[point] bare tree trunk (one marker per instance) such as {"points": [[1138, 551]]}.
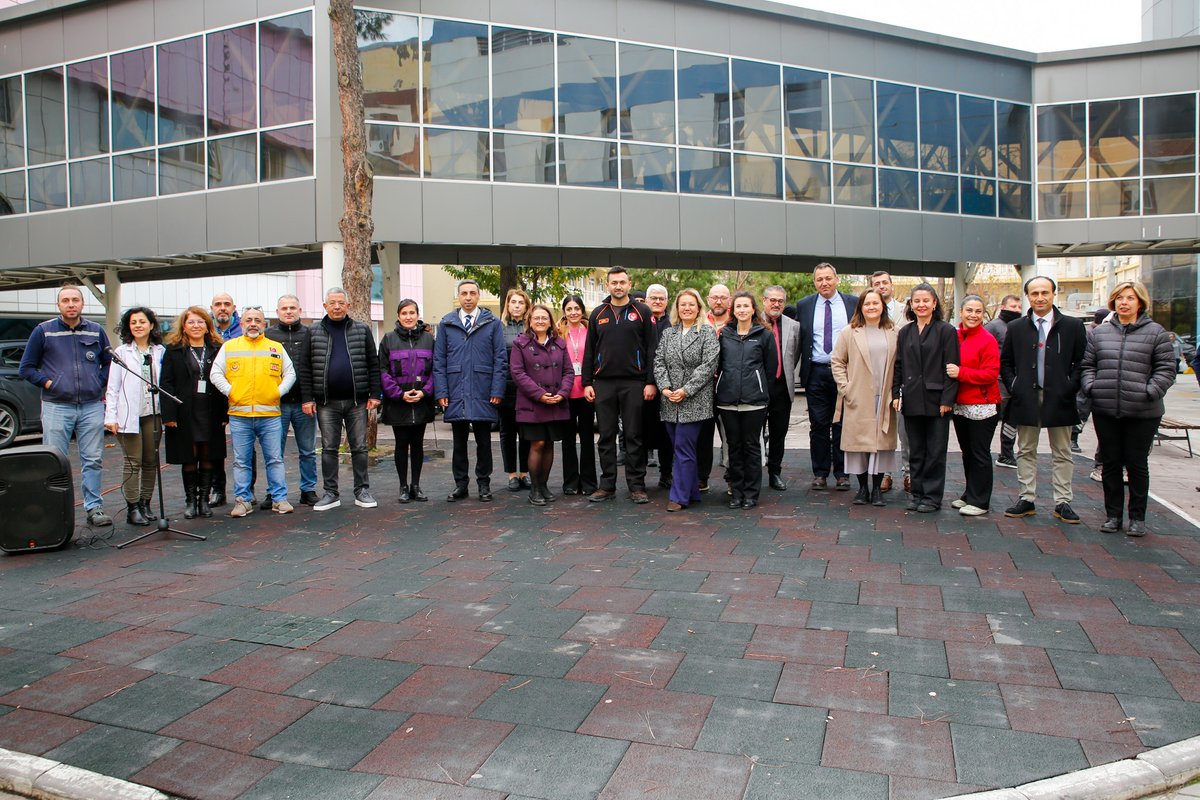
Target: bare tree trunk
{"points": [[508, 280]]}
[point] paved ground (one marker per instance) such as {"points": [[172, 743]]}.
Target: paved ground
{"points": [[474, 651]]}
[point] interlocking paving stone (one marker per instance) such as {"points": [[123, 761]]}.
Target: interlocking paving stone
{"points": [[671, 774], [126, 646], [1000, 664], [1160, 721], [23, 667], [453, 691], [794, 567], [223, 775], [299, 782], [239, 720], [334, 737], [527, 620], [271, 669], [727, 639], [766, 733], [830, 591], [900, 653], [152, 703], [843, 617], [1062, 712], [118, 752], [528, 655], [611, 664], [792, 781], [652, 716], [544, 702], [264, 627], [937, 575], [413, 789], [74, 687], [27, 731], [843, 688], [196, 657], [436, 748], [689, 605], [994, 757], [726, 677], [985, 601], [60, 633], [952, 700], [630, 630], [1101, 673], [550, 764], [1140, 612], [613, 600], [1056, 633], [899, 746], [666, 580], [533, 594], [384, 608], [351, 681]]}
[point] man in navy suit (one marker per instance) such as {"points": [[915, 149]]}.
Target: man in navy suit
{"points": [[822, 317]]}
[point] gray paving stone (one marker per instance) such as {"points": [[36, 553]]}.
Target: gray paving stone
{"points": [[45, 598], [330, 736], [937, 575], [897, 553], [252, 595], [1159, 721], [533, 594], [993, 542], [844, 617], [726, 677], [550, 764], [985, 601], [528, 572], [767, 733], [529, 655], [1148, 612], [353, 681], [533, 620], [280, 572], [667, 579], [1058, 633], [14, 622], [794, 781], [791, 566], [153, 703], [1102, 587], [880, 653], [263, 627], [727, 639], [400, 584], [23, 667], [1060, 566], [196, 657], [383, 608], [927, 698], [60, 633], [542, 702], [118, 752], [831, 591], [689, 605], [1102, 673], [650, 557], [300, 782], [986, 756]]}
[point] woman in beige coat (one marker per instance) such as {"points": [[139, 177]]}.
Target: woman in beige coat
{"points": [[863, 360]]}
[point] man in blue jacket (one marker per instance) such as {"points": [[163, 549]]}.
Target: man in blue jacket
{"points": [[229, 325], [470, 367], [67, 357]]}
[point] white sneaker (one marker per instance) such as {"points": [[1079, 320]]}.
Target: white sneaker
{"points": [[1097, 475], [282, 507], [972, 511], [241, 508], [959, 503]]}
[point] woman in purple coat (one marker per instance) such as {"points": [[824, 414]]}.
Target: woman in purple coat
{"points": [[406, 369], [542, 371]]}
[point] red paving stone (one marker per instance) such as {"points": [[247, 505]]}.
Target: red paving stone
{"points": [[1062, 712], [714, 563], [239, 720], [982, 561], [463, 591], [126, 646], [904, 788], [840, 569], [334, 577], [1020, 581], [316, 602], [34, 732], [464, 569], [890, 745], [455, 614], [773, 643], [596, 575], [663, 773], [781, 611], [162, 612], [607, 598], [1001, 663], [653, 716], [741, 584], [950, 626], [436, 748], [75, 687], [205, 773], [194, 587], [412, 789], [367, 638], [833, 687], [629, 630], [449, 691], [1167, 590], [447, 647], [838, 552], [1107, 752], [1184, 677], [271, 669], [630, 666], [900, 595], [1122, 639]]}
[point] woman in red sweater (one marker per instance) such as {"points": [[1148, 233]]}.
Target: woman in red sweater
{"points": [[975, 410]]}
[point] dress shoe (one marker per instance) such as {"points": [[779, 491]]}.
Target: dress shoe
{"points": [[843, 484], [1137, 527], [459, 493], [1111, 525], [639, 497], [673, 506], [927, 508], [886, 486], [1021, 508], [1064, 512], [819, 482], [535, 498], [748, 503], [485, 493], [526, 483], [777, 483], [514, 484], [911, 505], [547, 495], [600, 495], [405, 495], [417, 495], [735, 502]]}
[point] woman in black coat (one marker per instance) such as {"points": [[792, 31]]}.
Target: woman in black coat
{"points": [[925, 395], [195, 427]]}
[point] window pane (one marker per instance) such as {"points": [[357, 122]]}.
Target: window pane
{"points": [[703, 100], [939, 193], [133, 99], [939, 132], [232, 160], [648, 168], [587, 86], [647, 94], [523, 159], [853, 123], [455, 61], [757, 106], [12, 193], [1114, 128], [285, 57], [977, 129], [180, 90], [286, 153], [523, 80], [231, 82], [588, 163], [87, 108], [757, 176], [900, 189], [389, 51], [456, 154], [12, 126], [1169, 131], [1012, 141], [1169, 196], [806, 181], [897, 106], [807, 96], [181, 169], [44, 118], [979, 197], [1015, 201], [1116, 198], [704, 172], [394, 151], [89, 182], [48, 188], [133, 175], [853, 186], [1062, 201], [1060, 142]]}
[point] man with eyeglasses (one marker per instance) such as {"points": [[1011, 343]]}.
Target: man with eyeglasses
{"points": [[294, 337], [779, 409], [720, 302]]}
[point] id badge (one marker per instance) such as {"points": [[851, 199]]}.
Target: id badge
{"points": [[201, 386], [578, 368]]}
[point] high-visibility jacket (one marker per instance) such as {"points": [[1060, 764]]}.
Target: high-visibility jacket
{"points": [[253, 374]]}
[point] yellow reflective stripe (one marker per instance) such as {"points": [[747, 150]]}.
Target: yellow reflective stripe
{"points": [[255, 409]]}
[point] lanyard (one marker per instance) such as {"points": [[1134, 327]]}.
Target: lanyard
{"points": [[576, 356], [201, 362]]}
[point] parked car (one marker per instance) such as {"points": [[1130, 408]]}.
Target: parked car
{"points": [[20, 401]]}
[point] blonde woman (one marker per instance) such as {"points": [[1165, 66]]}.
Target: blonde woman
{"points": [[514, 315]]}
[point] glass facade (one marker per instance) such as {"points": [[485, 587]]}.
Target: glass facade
{"points": [[225, 108]]}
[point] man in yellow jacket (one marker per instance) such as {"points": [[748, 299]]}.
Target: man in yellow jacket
{"points": [[254, 372]]}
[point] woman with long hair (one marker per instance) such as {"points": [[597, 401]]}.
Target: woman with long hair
{"points": [[131, 411], [976, 407], [542, 372], [514, 315], [406, 370], [579, 442]]}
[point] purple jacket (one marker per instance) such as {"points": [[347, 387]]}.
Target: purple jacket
{"points": [[406, 362], [539, 369]]}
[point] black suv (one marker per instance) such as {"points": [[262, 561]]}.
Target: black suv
{"points": [[20, 400]]}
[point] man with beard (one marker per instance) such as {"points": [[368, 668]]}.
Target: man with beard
{"points": [[229, 325], [720, 303], [1010, 309], [294, 337], [656, 437]]}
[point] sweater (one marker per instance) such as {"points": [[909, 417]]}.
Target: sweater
{"points": [[621, 341]]}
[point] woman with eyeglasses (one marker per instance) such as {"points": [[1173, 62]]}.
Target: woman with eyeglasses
{"points": [[542, 372]]}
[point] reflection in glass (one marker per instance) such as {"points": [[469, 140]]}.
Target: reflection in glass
{"points": [[703, 100], [585, 163], [979, 197], [976, 130], [757, 176], [134, 175], [180, 90], [455, 63], [1012, 142], [900, 188], [1015, 201], [87, 109], [89, 182], [647, 94], [181, 169], [133, 99], [1062, 201], [286, 153], [853, 117], [44, 120], [285, 59], [1060, 143], [523, 159], [394, 151], [806, 94], [231, 82], [1169, 196], [704, 172], [648, 168], [939, 193], [12, 193], [757, 106], [523, 80], [587, 86], [389, 50], [939, 132], [1114, 126], [806, 181], [48, 187], [1168, 135], [12, 127], [232, 161], [1115, 198], [853, 186], [897, 108], [461, 155]]}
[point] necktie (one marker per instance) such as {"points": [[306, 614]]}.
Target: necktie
{"points": [[778, 350], [1041, 358], [467, 322], [828, 337]]}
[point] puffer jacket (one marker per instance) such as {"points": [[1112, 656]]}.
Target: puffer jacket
{"points": [[746, 367], [1127, 369], [364, 360], [295, 339], [405, 363], [687, 362]]}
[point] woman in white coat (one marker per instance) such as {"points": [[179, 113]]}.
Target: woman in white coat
{"points": [[129, 410]]}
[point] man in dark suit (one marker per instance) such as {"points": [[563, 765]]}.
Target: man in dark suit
{"points": [[783, 388], [822, 317]]}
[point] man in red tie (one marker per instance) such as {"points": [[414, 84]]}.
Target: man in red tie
{"points": [[779, 410]]}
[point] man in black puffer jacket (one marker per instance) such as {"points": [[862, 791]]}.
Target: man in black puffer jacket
{"points": [[344, 385], [295, 338]]}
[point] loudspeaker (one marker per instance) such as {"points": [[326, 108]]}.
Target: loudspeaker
{"points": [[37, 499]]}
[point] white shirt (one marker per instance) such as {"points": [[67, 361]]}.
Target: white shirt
{"points": [[840, 321], [462, 317], [1049, 317]]}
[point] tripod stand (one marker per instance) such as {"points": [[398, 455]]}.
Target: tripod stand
{"points": [[164, 524]]}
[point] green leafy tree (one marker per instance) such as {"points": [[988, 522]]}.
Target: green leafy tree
{"points": [[796, 284], [542, 283]]}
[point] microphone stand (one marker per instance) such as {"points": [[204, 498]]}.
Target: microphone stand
{"points": [[164, 524]]}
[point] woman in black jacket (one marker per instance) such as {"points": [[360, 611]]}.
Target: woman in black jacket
{"points": [[746, 368], [1128, 367], [514, 453], [925, 394]]}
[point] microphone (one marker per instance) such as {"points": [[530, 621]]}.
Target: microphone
{"points": [[112, 353]]}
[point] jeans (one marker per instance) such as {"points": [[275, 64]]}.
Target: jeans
{"points": [[86, 422], [243, 431], [331, 417], [305, 429]]}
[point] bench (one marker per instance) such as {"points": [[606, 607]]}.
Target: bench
{"points": [[1175, 430]]}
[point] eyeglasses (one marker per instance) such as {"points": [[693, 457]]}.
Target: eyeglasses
{"points": [[251, 308]]}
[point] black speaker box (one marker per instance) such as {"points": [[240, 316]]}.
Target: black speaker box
{"points": [[37, 499]]}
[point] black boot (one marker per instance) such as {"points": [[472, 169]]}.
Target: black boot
{"points": [[189, 493], [133, 514], [864, 495], [147, 512], [203, 484], [405, 493], [414, 491], [876, 490], [535, 495], [547, 495], [218, 495]]}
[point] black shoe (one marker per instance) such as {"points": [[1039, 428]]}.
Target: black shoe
{"points": [[1021, 508], [308, 498], [1064, 512], [570, 488], [266, 503], [747, 503], [133, 514], [218, 497], [485, 493], [458, 494], [535, 497], [876, 498], [514, 484], [147, 513], [203, 507], [777, 483], [703, 487], [547, 495], [927, 508], [735, 502], [1075, 448], [664, 483], [191, 490], [1137, 527], [1008, 462], [1111, 525], [526, 483], [911, 505], [405, 495], [863, 497], [416, 494]]}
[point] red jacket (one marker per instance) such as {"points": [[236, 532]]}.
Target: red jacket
{"points": [[979, 367]]}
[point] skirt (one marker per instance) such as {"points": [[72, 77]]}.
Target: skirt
{"points": [[543, 431]]}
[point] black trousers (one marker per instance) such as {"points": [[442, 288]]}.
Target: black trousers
{"points": [[1125, 445], [928, 438], [975, 440], [655, 437], [514, 450], [743, 436], [579, 448], [1008, 433], [410, 452], [704, 449], [779, 414], [621, 399], [824, 435], [463, 431]]}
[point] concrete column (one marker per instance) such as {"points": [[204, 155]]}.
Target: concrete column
{"points": [[1027, 271], [333, 258], [389, 265], [960, 291], [112, 299]]}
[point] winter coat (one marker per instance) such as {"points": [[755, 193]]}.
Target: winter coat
{"points": [[688, 362], [469, 367], [364, 361], [978, 367], [179, 375], [746, 368], [405, 363], [863, 429], [998, 328], [297, 341], [1065, 345], [75, 360], [511, 331], [123, 400], [920, 379], [539, 369], [1127, 369]]}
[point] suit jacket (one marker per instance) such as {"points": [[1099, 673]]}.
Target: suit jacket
{"points": [[1065, 346], [789, 340], [804, 316], [920, 374]]}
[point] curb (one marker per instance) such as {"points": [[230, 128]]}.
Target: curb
{"points": [[1147, 773], [44, 779]]}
